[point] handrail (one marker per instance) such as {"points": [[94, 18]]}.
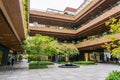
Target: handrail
{"points": [[48, 26], [75, 28], [118, 3], [53, 11]]}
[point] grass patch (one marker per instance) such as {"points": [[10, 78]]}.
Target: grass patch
{"points": [[84, 62]]}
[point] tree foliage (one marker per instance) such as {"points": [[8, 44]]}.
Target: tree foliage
{"points": [[114, 45], [114, 25], [67, 50], [39, 46]]}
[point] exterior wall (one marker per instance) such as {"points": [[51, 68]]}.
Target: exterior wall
{"points": [[4, 52], [93, 55]]}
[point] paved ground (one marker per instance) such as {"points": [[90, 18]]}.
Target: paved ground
{"points": [[21, 72]]}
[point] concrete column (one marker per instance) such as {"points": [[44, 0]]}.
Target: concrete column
{"points": [[86, 56], [98, 57]]}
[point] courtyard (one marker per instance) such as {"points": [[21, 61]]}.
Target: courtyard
{"points": [[83, 33], [20, 71]]}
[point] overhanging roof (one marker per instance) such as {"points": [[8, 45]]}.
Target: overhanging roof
{"points": [[13, 31]]}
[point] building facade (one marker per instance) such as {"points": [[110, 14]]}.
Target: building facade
{"points": [[86, 28]]}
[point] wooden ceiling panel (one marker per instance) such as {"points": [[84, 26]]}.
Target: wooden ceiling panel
{"points": [[7, 37]]}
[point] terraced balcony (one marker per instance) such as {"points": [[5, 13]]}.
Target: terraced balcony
{"points": [[95, 26], [93, 10], [95, 43]]}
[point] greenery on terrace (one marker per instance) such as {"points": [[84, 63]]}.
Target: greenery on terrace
{"points": [[91, 38], [26, 13], [110, 34]]}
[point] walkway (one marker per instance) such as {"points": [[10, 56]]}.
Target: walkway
{"points": [[20, 72]]}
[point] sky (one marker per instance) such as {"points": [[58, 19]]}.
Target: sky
{"points": [[54, 4]]}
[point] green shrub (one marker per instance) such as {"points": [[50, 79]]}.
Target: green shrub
{"points": [[39, 64], [84, 62], [46, 63], [35, 65], [42, 62], [114, 75]]}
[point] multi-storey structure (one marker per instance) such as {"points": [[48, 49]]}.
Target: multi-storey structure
{"points": [[86, 27], [87, 22]]}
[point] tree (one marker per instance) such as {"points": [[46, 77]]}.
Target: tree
{"points": [[114, 45], [67, 50], [40, 46]]}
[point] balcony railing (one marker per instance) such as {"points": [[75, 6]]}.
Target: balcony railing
{"points": [[92, 38], [98, 42], [75, 28], [87, 2], [35, 24], [96, 16], [53, 11]]}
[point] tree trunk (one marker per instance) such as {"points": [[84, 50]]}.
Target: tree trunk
{"points": [[67, 58]]}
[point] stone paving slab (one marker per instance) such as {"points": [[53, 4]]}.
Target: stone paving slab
{"points": [[20, 71]]}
